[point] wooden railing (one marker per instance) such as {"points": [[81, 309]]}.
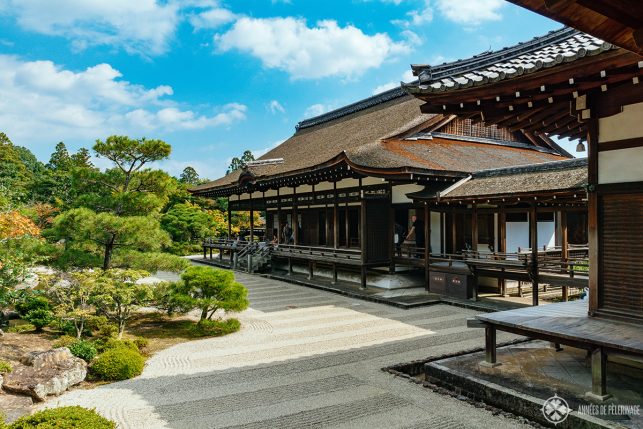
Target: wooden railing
{"points": [[312, 252]]}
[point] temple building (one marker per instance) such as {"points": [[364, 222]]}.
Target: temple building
{"points": [[343, 194]]}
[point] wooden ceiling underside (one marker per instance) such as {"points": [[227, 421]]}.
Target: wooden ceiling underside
{"points": [[616, 21], [539, 103]]}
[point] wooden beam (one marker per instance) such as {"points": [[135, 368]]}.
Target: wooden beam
{"points": [[295, 220], [564, 239], [474, 227], [427, 242]]}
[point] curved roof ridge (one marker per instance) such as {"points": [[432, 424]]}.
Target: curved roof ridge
{"points": [[357, 106]]}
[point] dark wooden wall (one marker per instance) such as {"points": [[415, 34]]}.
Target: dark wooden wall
{"points": [[378, 242]]}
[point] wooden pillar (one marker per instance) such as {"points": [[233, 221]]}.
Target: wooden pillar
{"points": [[454, 245], [474, 227], [205, 252], [564, 253], [490, 346], [335, 217], [229, 220], [533, 241], [363, 241], [599, 374], [502, 243], [210, 252], [310, 270], [427, 242], [592, 213], [252, 221], [391, 231], [443, 244], [279, 228], [334, 281], [295, 219], [348, 244]]}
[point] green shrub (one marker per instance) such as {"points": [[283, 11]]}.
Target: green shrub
{"points": [[19, 329], [64, 341], [141, 343], [118, 363], [115, 343], [83, 349], [215, 328], [40, 317], [101, 327], [63, 418], [31, 302], [5, 367], [65, 327]]}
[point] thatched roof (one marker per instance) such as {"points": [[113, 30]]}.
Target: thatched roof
{"points": [[374, 134], [551, 177]]}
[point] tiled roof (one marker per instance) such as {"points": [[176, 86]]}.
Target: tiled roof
{"points": [[568, 175], [557, 47]]}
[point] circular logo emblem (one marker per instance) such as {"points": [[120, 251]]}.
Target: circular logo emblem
{"points": [[555, 410]]}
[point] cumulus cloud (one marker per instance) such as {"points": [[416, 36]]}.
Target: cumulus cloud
{"points": [[417, 17], [309, 52], [212, 18], [470, 12], [275, 107], [316, 110], [142, 26], [40, 99], [407, 76]]}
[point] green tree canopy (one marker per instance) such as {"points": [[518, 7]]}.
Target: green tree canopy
{"points": [[210, 289], [82, 227], [187, 222], [189, 176], [238, 163]]}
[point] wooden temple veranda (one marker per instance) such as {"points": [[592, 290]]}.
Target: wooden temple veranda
{"points": [[569, 84]]}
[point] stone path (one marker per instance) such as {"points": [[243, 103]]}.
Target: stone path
{"points": [[304, 358]]}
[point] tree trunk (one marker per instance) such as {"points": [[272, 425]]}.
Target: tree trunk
{"points": [[121, 329], [204, 314], [109, 248]]}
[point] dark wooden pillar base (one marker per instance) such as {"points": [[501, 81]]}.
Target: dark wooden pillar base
{"points": [[289, 267], [363, 278], [490, 347], [334, 281], [310, 270], [205, 252], [210, 252], [599, 376]]}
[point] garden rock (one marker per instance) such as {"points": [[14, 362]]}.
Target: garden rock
{"points": [[15, 406], [46, 373]]}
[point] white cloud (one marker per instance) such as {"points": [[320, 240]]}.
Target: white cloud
{"points": [[212, 18], [275, 107], [41, 101], [142, 26], [417, 17], [407, 76], [316, 110], [470, 12], [309, 52]]}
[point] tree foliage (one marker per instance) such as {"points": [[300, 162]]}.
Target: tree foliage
{"points": [[106, 232], [189, 176], [238, 163], [118, 294], [209, 289]]}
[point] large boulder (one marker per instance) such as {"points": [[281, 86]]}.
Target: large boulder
{"points": [[45, 373]]}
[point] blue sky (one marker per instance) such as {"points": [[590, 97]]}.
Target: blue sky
{"points": [[214, 78]]}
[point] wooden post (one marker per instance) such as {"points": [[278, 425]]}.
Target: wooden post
{"points": [[474, 227], [348, 244], [295, 219], [334, 274], [310, 270], [252, 221], [502, 243], [490, 359], [454, 245], [564, 248], [363, 233], [533, 241], [599, 375], [210, 252], [592, 213], [391, 231], [335, 218], [229, 220], [443, 244], [427, 242], [278, 218], [205, 252]]}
